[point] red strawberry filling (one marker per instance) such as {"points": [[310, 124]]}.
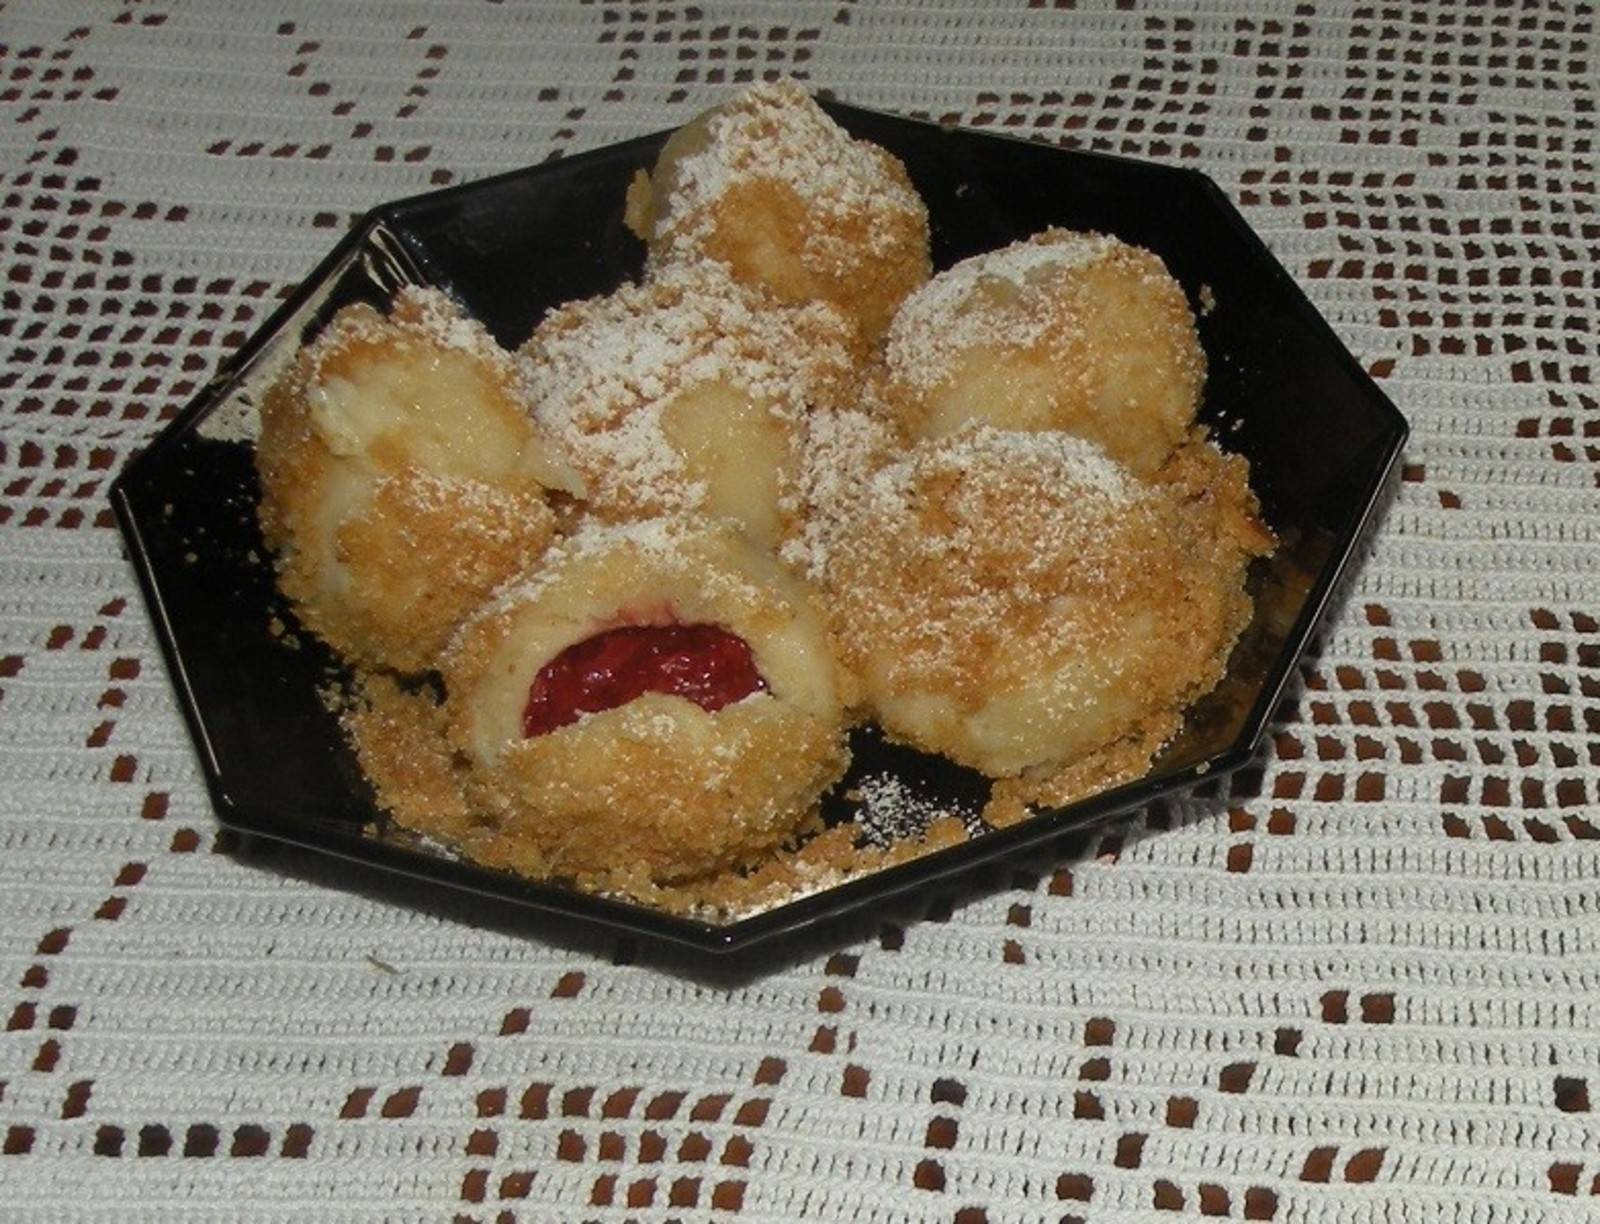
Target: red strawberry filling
{"points": [[703, 663]]}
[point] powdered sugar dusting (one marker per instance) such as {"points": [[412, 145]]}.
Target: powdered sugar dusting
{"points": [[776, 132], [419, 312], [1051, 459], [890, 811], [842, 451], [425, 311], [980, 301], [668, 543], [660, 538], [965, 542], [600, 373], [432, 312], [971, 465], [493, 510]]}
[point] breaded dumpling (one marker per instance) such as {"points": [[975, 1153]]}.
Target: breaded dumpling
{"points": [[1020, 601], [1069, 331], [768, 185], [657, 703], [401, 479], [689, 393]]}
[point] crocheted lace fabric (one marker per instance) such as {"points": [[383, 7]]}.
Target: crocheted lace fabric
{"points": [[1359, 982]]}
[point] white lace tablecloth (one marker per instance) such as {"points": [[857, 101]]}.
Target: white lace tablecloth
{"points": [[1361, 984]]}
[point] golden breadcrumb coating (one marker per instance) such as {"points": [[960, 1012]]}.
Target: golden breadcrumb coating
{"points": [[1014, 799], [1021, 601], [1069, 331], [1212, 490], [401, 742], [769, 186], [401, 479], [400, 738], [689, 393], [1215, 487], [657, 789]]}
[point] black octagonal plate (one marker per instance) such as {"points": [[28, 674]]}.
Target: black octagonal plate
{"points": [[1282, 390]]}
